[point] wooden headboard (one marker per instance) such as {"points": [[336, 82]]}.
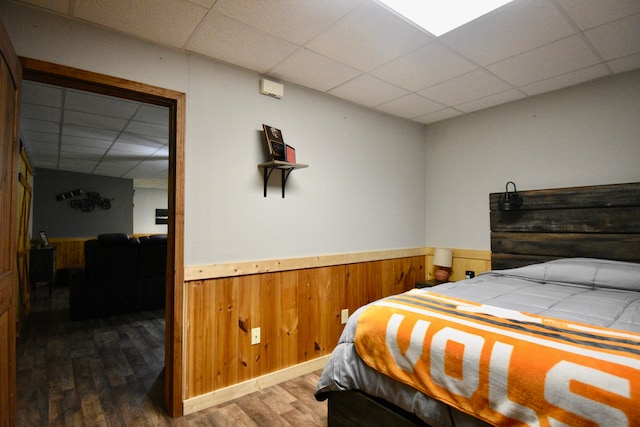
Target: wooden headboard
{"points": [[600, 221]]}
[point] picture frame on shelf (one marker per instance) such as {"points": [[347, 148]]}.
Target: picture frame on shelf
{"points": [[290, 153], [43, 239], [275, 143]]}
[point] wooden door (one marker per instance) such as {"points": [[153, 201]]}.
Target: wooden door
{"points": [[23, 297], [10, 79]]}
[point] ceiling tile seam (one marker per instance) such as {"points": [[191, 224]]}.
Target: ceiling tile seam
{"points": [[363, 71], [476, 64], [197, 28], [104, 155], [580, 34], [333, 24], [63, 101]]}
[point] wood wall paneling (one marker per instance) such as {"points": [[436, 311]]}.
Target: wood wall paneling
{"points": [[69, 252], [600, 221], [298, 312]]}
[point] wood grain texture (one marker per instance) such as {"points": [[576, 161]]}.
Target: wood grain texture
{"points": [[214, 271], [69, 251], [298, 312], [593, 221]]}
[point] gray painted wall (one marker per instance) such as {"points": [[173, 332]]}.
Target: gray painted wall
{"points": [[59, 219]]}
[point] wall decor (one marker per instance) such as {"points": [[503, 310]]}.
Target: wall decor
{"points": [[90, 202], [69, 194], [275, 142], [162, 216]]}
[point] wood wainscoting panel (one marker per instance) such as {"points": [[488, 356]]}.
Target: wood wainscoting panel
{"points": [[298, 312], [475, 260], [69, 251]]}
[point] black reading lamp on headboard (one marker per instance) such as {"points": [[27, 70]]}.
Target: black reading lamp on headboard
{"points": [[510, 201]]}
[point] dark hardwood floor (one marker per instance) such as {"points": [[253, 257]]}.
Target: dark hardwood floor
{"points": [[109, 371]]}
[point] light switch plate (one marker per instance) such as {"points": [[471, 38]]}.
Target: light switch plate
{"points": [[255, 336], [344, 316]]}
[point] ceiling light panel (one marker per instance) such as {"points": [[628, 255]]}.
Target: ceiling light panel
{"points": [[441, 16]]}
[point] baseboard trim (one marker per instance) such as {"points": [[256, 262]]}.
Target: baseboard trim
{"points": [[226, 394]]}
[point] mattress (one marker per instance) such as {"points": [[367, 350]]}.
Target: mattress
{"points": [[596, 292]]}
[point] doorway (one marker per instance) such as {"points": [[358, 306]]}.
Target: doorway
{"points": [[45, 72]]}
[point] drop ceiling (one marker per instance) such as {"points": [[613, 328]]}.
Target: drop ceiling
{"points": [[360, 51], [71, 130]]}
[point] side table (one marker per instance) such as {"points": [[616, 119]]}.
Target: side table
{"points": [[42, 266]]}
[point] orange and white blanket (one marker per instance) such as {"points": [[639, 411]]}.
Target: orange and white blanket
{"points": [[504, 366]]}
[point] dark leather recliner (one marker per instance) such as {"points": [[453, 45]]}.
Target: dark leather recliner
{"points": [[121, 275], [152, 272]]}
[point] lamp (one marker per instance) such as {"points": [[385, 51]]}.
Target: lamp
{"points": [[442, 259], [510, 201]]}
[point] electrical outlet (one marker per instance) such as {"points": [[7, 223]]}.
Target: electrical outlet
{"points": [[344, 316], [255, 336]]}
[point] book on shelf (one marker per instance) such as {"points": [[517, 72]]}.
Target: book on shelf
{"points": [[290, 153], [275, 143]]}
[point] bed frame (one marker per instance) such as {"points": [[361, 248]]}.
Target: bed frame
{"points": [[600, 221]]}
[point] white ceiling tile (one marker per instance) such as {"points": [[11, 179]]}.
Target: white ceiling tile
{"points": [[410, 106], [429, 65], [84, 150], [46, 149], [368, 37], [168, 22], [321, 72], [115, 166], [42, 126], [617, 40], [591, 13], [45, 163], [565, 80], [490, 101], [515, 28], [99, 104], [148, 129], [42, 94], [152, 114], [293, 20], [152, 141], [93, 120], [77, 165], [554, 59], [203, 3], [60, 6], [368, 90], [625, 64], [74, 155], [237, 43], [444, 114], [36, 138], [39, 112], [101, 144], [150, 168], [89, 132], [469, 87], [127, 149]]}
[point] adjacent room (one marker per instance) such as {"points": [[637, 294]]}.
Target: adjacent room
{"points": [[210, 189]]}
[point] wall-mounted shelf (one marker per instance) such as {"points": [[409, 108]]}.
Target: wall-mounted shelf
{"points": [[285, 169]]}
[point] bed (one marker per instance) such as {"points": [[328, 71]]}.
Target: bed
{"points": [[566, 277]]}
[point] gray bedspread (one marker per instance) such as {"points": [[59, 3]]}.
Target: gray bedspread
{"points": [[598, 292]]}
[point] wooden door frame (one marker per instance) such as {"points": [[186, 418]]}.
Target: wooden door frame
{"points": [[46, 72]]}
